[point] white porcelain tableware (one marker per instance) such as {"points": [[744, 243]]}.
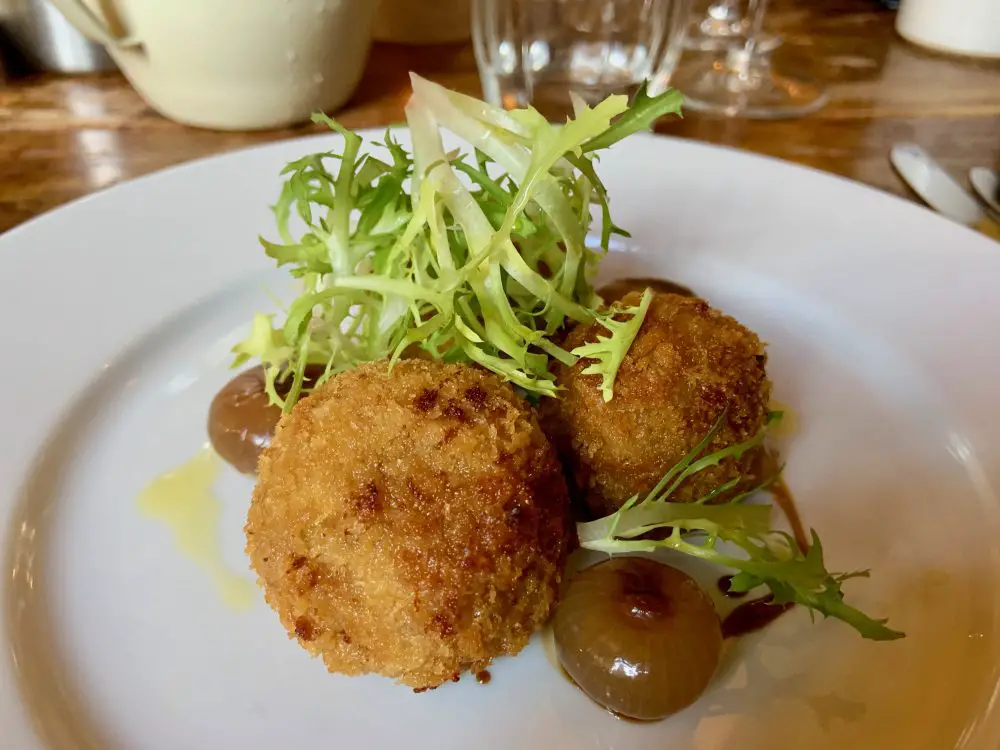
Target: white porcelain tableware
{"points": [[963, 27], [231, 64], [119, 311], [986, 183]]}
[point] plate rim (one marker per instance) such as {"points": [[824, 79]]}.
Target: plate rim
{"points": [[12, 237]]}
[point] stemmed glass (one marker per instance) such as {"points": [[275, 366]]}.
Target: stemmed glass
{"points": [[741, 81], [717, 27]]}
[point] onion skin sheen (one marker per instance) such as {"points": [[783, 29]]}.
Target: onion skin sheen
{"points": [[638, 637]]}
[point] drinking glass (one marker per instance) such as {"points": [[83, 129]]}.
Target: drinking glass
{"points": [[741, 81], [537, 51]]}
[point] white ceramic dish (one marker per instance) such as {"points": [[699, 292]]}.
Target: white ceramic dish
{"points": [[881, 319]]}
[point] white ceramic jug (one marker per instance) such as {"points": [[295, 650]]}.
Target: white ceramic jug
{"points": [[962, 27], [233, 64]]}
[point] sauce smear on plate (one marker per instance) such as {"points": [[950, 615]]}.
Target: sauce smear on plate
{"points": [[724, 583], [784, 500], [752, 616], [242, 419], [755, 614], [182, 499]]}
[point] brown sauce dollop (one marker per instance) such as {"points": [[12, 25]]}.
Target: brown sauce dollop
{"points": [[752, 616], [241, 419], [724, 586]]}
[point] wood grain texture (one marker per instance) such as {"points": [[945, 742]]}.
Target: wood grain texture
{"points": [[61, 138]]}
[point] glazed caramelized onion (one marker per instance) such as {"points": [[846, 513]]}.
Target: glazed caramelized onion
{"points": [[639, 637]]}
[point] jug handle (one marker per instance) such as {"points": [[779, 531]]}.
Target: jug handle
{"points": [[91, 25]]}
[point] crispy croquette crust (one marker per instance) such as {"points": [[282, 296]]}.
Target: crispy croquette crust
{"points": [[688, 364], [412, 522]]}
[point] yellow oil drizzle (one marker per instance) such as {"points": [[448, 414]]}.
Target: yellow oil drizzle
{"points": [[182, 499], [989, 227], [789, 423]]}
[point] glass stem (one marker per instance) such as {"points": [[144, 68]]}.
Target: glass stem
{"points": [[741, 60], [756, 10]]}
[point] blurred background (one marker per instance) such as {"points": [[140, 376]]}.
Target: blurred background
{"points": [[96, 91]]}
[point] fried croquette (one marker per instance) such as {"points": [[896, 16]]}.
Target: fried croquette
{"points": [[411, 522], [688, 365], [615, 291]]}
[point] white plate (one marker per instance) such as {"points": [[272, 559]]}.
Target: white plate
{"points": [[883, 327]]}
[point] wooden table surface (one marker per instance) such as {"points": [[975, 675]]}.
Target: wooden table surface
{"points": [[63, 137]]}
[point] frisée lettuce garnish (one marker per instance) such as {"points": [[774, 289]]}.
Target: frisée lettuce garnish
{"points": [[478, 255], [481, 256], [733, 534]]}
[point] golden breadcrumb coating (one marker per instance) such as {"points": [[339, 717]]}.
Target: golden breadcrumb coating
{"points": [[688, 364], [412, 522]]}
